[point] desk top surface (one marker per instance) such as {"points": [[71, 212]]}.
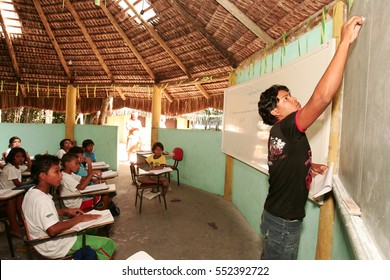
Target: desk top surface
{"points": [[111, 189], [7, 194], [155, 171]]}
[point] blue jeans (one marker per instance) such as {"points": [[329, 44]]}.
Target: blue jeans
{"points": [[281, 237]]}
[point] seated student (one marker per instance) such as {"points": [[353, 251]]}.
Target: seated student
{"points": [[89, 146], [14, 141], [72, 183], [42, 218], [65, 145], [156, 161], [11, 177], [79, 151]]}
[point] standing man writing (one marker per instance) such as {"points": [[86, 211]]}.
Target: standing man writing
{"points": [[289, 153], [133, 126]]}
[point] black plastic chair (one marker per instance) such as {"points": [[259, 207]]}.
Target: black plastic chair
{"points": [[141, 187]]}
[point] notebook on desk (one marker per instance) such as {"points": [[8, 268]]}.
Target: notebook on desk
{"points": [[96, 187], [107, 174]]}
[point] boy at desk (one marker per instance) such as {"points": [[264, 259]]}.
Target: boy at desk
{"points": [[42, 218], [72, 183], [89, 146], [155, 161], [79, 151]]}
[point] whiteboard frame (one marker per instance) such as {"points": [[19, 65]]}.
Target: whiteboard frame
{"points": [[249, 110]]}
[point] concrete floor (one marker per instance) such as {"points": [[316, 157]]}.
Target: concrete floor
{"points": [[199, 226]]}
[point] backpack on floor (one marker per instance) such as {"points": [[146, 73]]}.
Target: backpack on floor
{"points": [[114, 209]]}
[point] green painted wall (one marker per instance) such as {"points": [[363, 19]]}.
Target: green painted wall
{"points": [[36, 138], [203, 164], [106, 141], [39, 138]]}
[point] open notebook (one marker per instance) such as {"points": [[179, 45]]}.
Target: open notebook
{"points": [[106, 218], [107, 174], [321, 185], [96, 187]]}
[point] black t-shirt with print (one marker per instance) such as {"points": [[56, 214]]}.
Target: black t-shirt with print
{"points": [[289, 160]]}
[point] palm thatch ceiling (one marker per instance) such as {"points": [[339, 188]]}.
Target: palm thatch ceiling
{"points": [[187, 49]]}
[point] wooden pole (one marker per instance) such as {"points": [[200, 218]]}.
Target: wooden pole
{"points": [[327, 211], [104, 110], [229, 160], [70, 114], [156, 114]]}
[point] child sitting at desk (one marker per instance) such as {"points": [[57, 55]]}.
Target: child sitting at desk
{"points": [[71, 183], [11, 177], [89, 146], [65, 145], [79, 151], [42, 218], [155, 161], [14, 142]]}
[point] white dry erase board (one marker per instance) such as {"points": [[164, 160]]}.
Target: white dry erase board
{"points": [[245, 137]]}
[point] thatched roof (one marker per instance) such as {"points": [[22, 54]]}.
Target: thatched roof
{"points": [[188, 49]]}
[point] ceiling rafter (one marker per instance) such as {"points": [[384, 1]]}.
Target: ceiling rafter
{"points": [[201, 80], [167, 95], [157, 37], [202, 90], [88, 37], [252, 26], [50, 33], [120, 92], [128, 42], [226, 54], [12, 54]]}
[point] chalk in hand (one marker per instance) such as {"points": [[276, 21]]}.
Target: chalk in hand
{"points": [[363, 19]]}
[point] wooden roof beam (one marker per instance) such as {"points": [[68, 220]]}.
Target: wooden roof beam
{"points": [[228, 56], [252, 26], [203, 80], [202, 90], [121, 94], [12, 54], [168, 96], [159, 40], [128, 42], [84, 30], [50, 33]]}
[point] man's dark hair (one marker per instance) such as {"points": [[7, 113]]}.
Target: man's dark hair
{"points": [[68, 157], [87, 142], [157, 144], [42, 163], [13, 152], [268, 101], [76, 150]]}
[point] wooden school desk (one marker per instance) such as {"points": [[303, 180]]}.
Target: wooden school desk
{"points": [[111, 189]]}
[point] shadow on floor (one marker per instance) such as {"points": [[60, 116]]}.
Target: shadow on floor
{"points": [[197, 225]]}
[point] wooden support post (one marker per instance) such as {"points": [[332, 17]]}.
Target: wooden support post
{"points": [[327, 212], [229, 160], [228, 178], [70, 114], [156, 114], [104, 110]]}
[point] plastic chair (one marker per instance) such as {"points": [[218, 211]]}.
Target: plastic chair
{"points": [[177, 157], [141, 187]]}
